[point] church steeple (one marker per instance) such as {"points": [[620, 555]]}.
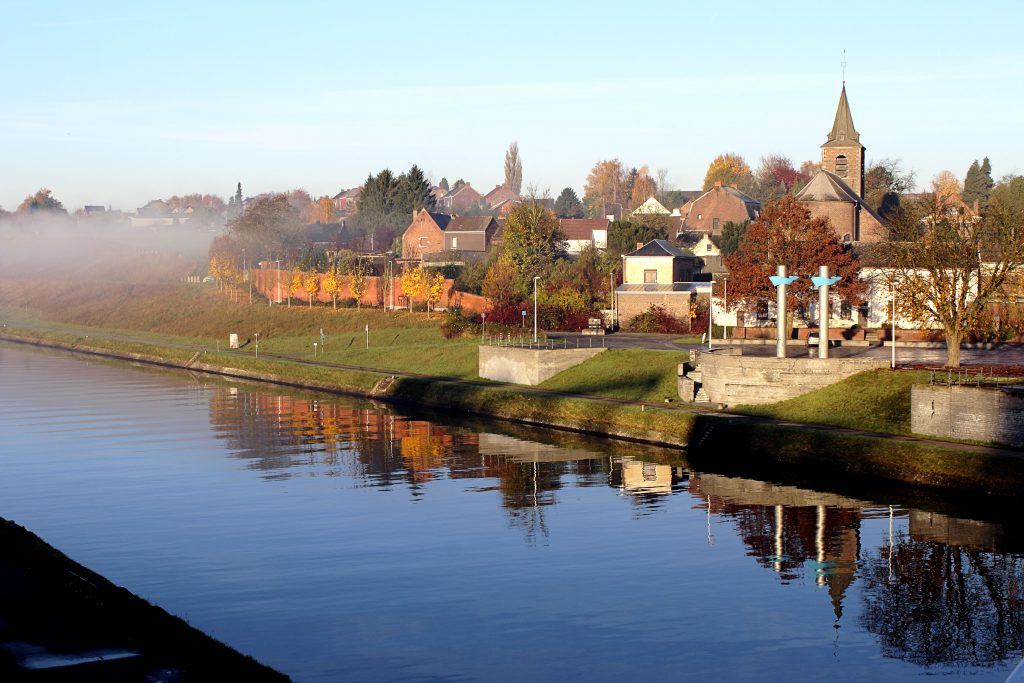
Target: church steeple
{"points": [[842, 154], [843, 133]]}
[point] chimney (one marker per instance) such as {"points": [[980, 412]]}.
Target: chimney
{"points": [[718, 183], [639, 244]]}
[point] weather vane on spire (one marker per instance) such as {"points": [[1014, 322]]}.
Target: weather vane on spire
{"points": [[844, 68]]}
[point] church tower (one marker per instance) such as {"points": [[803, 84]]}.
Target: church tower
{"points": [[842, 154]]}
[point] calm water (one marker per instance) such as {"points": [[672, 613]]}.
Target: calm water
{"points": [[335, 539]]}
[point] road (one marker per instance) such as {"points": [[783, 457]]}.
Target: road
{"points": [[1000, 355]]}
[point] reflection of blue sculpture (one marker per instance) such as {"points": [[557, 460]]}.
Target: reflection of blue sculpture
{"points": [[779, 280], [825, 281]]}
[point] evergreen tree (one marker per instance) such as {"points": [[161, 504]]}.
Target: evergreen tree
{"points": [[568, 204], [443, 184], [978, 183], [986, 174], [413, 192]]}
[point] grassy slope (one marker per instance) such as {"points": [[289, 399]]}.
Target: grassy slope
{"points": [[634, 374], [875, 400]]}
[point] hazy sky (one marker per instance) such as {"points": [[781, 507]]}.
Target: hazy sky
{"points": [[117, 103]]}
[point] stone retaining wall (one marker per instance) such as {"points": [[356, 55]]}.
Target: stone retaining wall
{"points": [[985, 414], [528, 366], [733, 379]]}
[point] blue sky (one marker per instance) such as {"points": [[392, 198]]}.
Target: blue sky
{"points": [[117, 103]]}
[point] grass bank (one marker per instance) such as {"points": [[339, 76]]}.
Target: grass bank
{"points": [[52, 602]]}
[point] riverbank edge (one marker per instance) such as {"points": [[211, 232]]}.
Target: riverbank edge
{"points": [[58, 604], [709, 434]]}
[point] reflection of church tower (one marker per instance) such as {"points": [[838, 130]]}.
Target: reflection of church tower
{"points": [[842, 154]]}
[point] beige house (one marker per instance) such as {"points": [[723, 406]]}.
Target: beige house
{"points": [[658, 273]]}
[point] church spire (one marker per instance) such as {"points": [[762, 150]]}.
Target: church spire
{"points": [[843, 133]]}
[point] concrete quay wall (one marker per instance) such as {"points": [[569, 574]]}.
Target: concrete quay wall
{"points": [[528, 366], [987, 414], [732, 379]]}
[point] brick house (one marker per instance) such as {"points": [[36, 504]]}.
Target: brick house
{"points": [[500, 194], [716, 207], [346, 200], [425, 235], [581, 232], [432, 234], [658, 273], [836, 191], [651, 206], [460, 200]]}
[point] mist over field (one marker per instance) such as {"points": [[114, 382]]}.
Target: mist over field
{"points": [[54, 247]]}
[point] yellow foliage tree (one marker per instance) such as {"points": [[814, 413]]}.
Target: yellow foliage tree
{"points": [[728, 169], [330, 286], [435, 290], [357, 283], [295, 286], [945, 184], [643, 188], [414, 283], [311, 283]]}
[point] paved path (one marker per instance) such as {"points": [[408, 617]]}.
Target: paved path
{"points": [[718, 417]]}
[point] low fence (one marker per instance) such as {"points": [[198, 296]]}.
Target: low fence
{"points": [[519, 341]]}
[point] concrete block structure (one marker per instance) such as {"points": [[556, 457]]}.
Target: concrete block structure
{"points": [[730, 378], [988, 414], [528, 366]]}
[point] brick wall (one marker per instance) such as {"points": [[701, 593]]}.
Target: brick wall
{"points": [[975, 413], [854, 165], [632, 304], [842, 215]]}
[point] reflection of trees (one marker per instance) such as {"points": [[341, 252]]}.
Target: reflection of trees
{"points": [[931, 603]]}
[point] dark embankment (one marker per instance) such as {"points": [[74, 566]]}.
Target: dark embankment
{"points": [[55, 611]]}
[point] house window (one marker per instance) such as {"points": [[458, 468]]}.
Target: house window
{"points": [[423, 241], [455, 243], [845, 311], [699, 216], [841, 165], [650, 277], [710, 247], [714, 224], [762, 310], [846, 237]]}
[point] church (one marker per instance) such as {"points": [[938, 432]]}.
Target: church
{"points": [[836, 191]]}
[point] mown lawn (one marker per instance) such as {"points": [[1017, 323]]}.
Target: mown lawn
{"points": [[874, 400], [632, 374]]}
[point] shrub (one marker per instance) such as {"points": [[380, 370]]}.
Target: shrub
{"points": [[454, 324], [658, 320]]}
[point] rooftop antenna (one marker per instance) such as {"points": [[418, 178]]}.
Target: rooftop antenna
{"points": [[844, 68]]}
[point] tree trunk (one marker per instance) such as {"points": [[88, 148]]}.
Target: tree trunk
{"points": [[334, 300], [953, 339], [311, 301]]}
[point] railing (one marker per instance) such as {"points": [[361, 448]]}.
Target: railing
{"points": [[975, 377], [525, 342]]}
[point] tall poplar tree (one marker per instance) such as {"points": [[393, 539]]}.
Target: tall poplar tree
{"points": [[513, 169]]}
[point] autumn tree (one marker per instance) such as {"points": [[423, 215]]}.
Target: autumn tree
{"points": [[606, 183], [776, 177], [357, 282], [945, 184], [728, 169], [786, 234], [532, 239], [41, 202], [502, 284], [568, 205], [311, 283], [331, 286], [513, 169], [434, 290], [643, 188], [414, 283], [949, 264], [295, 285], [268, 227]]}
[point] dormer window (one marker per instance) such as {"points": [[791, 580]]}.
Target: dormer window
{"points": [[841, 165]]}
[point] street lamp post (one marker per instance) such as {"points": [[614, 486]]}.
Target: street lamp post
{"points": [[892, 362], [483, 327], [725, 304], [257, 346], [278, 262], [535, 280]]}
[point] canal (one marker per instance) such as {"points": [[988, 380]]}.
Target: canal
{"points": [[341, 539]]}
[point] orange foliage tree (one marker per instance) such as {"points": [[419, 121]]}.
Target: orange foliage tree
{"points": [[331, 286], [414, 283], [728, 169], [294, 285], [785, 234]]}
